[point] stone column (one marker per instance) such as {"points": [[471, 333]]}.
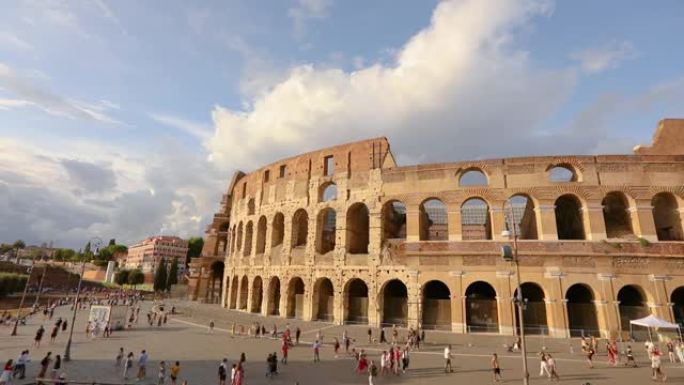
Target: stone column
{"points": [[412, 222], [338, 306], [556, 311], [546, 222], [265, 291], [498, 223], [506, 285], [268, 239], [373, 305], [457, 299], [608, 311], [594, 224], [661, 306], [375, 234], [642, 220], [286, 250], [414, 300], [454, 223]]}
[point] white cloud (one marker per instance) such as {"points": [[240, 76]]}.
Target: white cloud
{"points": [[306, 10], [460, 82], [198, 130], [9, 40], [6, 104], [608, 56], [29, 93]]}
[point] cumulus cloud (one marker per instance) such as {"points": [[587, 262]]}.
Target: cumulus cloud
{"points": [[457, 89], [608, 56], [88, 176]]}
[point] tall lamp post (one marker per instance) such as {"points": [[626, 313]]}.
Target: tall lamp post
{"points": [[23, 296], [94, 243], [511, 255], [40, 285]]}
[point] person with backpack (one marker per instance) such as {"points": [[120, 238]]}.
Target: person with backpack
{"points": [[222, 371]]}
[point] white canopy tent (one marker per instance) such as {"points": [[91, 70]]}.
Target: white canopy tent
{"points": [[653, 322]]}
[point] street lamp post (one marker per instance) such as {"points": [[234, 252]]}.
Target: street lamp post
{"points": [[21, 303], [40, 285], [518, 300], [95, 242]]}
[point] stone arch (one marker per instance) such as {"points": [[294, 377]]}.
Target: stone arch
{"points": [[327, 192], [249, 232], [257, 294], [251, 207], [582, 320], [239, 237], [358, 229], [436, 306], [234, 292], [677, 300], [534, 313], [295, 298], [473, 176], [433, 220], [569, 217], [482, 312], [325, 230], [323, 300], [356, 301], [616, 215], [300, 228], [394, 303], [563, 172], [261, 235], [521, 213], [273, 302], [667, 218], [244, 293], [633, 304], [277, 230], [476, 221], [393, 220], [222, 239]]}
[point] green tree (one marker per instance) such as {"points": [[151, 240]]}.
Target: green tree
{"points": [[19, 244], [160, 276], [172, 279], [121, 277], [136, 277], [112, 242], [119, 249], [195, 245]]}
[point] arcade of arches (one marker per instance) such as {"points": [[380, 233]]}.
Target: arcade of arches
{"points": [[345, 235]]}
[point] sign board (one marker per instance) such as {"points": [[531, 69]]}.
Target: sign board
{"points": [[115, 315]]}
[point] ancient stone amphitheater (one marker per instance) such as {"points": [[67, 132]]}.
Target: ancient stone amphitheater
{"points": [[345, 235]]}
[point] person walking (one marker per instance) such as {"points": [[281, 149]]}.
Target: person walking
{"points": [[142, 365], [53, 334], [630, 357], [496, 369], [6, 375], [316, 351], [175, 369], [39, 336], [336, 347], [239, 374], [382, 336], [128, 364], [447, 360], [64, 325], [284, 348], [405, 360], [656, 366], [222, 372], [119, 357], [161, 377], [372, 372], [370, 335], [211, 326], [347, 343], [671, 352], [543, 365], [553, 370], [590, 356], [298, 333], [56, 367], [20, 366], [44, 365]]}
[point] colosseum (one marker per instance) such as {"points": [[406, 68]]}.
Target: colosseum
{"points": [[346, 235]]}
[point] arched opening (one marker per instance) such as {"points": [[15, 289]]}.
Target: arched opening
{"points": [[328, 192], [257, 294], [239, 237], [616, 215], [356, 296], [300, 228], [668, 222], [562, 173], [327, 223], [473, 177], [250, 207], [357, 229], [632, 304], [475, 220], [520, 213], [234, 293], [581, 311], [261, 236], [323, 300], [278, 230], [216, 269], [244, 292], [569, 221], [393, 220], [222, 239], [433, 221], [436, 306], [677, 300], [482, 313], [534, 313], [249, 231], [394, 303], [295, 298], [273, 303], [233, 237]]}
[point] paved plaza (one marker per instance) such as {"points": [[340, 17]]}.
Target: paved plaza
{"points": [[186, 338]]}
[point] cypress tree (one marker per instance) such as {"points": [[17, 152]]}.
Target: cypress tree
{"points": [[172, 279], [160, 276]]}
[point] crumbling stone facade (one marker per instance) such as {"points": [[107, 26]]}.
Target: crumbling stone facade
{"points": [[343, 234]]}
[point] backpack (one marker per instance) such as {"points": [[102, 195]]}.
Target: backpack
{"points": [[222, 370]]}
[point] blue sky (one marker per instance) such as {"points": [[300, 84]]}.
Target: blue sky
{"points": [[127, 118]]}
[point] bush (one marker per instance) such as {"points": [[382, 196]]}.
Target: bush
{"points": [[12, 283], [121, 277], [136, 277]]}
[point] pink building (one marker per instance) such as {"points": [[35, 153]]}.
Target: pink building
{"points": [[146, 254]]}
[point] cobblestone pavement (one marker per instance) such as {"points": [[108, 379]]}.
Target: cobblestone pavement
{"points": [[186, 338]]}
